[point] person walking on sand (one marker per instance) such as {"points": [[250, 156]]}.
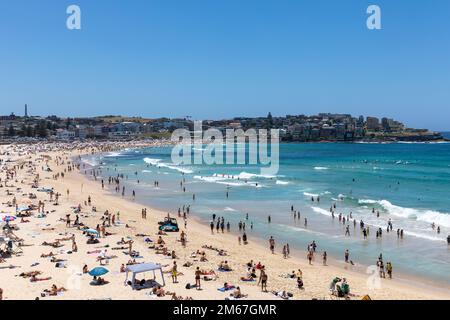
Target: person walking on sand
{"points": [[263, 279], [174, 272], [272, 244], [130, 247], [309, 256], [324, 258], [346, 255], [197, 278]]}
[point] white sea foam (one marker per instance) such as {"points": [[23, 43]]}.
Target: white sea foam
{"points": [[248, 176], [113, 154], [159, 164], [152, 161], [227, 180], [321, 211], [229, 209], [321, 168], [310, 194], [91, 162], [366, 201], [282, 182], [429, 216]]}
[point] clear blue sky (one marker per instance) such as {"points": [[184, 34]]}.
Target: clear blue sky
{"points": [[224, 58]]}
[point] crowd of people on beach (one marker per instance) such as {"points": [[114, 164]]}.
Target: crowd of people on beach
{"points": [[110, 237]]}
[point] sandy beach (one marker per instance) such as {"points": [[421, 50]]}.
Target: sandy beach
{"points": [[45, 175]]}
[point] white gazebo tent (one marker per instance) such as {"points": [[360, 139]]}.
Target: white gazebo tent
{"points": [[141, 268]]}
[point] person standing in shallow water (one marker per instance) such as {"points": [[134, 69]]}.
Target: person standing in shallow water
{"points": [[389, 269]]}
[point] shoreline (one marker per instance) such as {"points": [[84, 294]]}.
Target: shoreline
{"points": [[361, 267], [401, 278], [316, 277]]}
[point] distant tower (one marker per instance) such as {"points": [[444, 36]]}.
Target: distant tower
{"points": [[26, 111]]}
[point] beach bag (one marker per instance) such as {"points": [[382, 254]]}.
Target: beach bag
{"points": [[188, 286]]}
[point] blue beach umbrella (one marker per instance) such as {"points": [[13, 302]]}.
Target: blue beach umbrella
{"points": [[91, 231], [98, 271]]}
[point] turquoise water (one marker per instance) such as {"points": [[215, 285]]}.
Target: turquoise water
{"points": [[408, 183]]}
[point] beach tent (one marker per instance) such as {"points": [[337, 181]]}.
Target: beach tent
{"points": [[141, 268]]}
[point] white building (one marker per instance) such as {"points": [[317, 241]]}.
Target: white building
{"points": [[65, 134]]}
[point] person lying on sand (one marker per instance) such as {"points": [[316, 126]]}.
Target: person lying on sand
{"points": [[54, 290], [54, 244], [175, 297], [72, 237], [119, 248], [47, 255], [30, 274], [33, 278], [158, 291], [282, 294], [142, 235], [99, 281], [92, 240]]}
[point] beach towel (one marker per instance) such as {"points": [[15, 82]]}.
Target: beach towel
{"points": [[223, 289]]}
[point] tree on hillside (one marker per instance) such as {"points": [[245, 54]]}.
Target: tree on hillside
{"points": [[11, 131], [41, 129]]}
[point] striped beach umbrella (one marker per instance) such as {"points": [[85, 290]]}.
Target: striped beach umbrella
{"points": [[7, 217]]}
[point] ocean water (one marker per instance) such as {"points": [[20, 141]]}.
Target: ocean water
{"points": [[408, 183]]}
